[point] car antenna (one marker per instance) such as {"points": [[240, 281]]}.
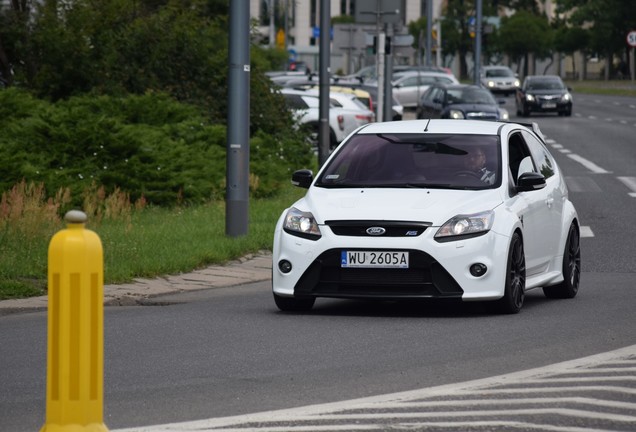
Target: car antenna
{"points": [[426, 127]]}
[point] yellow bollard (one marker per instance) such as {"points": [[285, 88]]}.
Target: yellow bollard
{"points": [[75, 357]]}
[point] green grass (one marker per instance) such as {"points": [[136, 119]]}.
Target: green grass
{"points": [[609, 88], [151, 242]]}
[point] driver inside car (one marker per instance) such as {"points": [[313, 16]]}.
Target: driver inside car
{"points": [[475, 161]]}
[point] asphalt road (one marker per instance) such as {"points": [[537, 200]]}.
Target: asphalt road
{"points": [[229, 351]]}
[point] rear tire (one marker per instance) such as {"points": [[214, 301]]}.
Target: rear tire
{"points": [[514, 292], [292, 304], [571, 268]]}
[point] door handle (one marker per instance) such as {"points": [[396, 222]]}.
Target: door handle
{"points": [[549, 202]]}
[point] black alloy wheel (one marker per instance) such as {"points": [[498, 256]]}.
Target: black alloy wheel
{"points": [[571, 268], [514, 293]]}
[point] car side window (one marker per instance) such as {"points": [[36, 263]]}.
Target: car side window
{"points": [[517, 152], [542, 158], [295, 102]]}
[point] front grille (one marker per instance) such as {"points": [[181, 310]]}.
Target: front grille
{"points": [[425, 278], [356, 228]]}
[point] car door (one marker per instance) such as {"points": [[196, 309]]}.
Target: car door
{"points": [[436, 103], [553, 196], [404, 91], [531, 208]]}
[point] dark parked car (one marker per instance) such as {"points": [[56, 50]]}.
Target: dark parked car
{"points": [[460, 101], [543, 93]]}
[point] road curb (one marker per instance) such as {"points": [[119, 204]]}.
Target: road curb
{"points": [[250, 268]]}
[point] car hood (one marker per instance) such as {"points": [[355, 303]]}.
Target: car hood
{"points": [[427, 205]]}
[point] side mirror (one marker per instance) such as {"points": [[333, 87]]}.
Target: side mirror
{"points": [[530, 181], [302, 178]]}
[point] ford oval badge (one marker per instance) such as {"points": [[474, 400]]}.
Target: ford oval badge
{"points": [[376, 231]]}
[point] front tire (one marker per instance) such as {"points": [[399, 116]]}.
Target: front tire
{"points": [[514, 292], [571, 268], [292, 304]]}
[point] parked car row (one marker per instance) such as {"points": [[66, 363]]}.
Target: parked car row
{"points": [[346, 113], [438, 94]]}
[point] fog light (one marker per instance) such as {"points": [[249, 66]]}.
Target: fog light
{"points": [[478, 269], [284, 266]]}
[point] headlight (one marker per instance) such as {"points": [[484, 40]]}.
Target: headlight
{"points": [[456, 114], [491, 83], [503, 114], [566, 97], [301, 224], [465, 226], [529, 98], [517, 83]]}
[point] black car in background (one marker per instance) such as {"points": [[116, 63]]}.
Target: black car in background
{"points": [[460, 101], [543, 93]]}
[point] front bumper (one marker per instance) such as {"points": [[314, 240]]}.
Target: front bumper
{"points": [[436, 270], [547, 105]]}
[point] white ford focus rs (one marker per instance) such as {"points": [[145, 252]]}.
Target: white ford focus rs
{"points": [[471, 210]]}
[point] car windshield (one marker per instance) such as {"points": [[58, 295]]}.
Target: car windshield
{"points": [[545, 85], [470, 96], [437, 161], [499, 73]]}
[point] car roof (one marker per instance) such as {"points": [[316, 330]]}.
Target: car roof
{"points": [[435, 126], [458, 86], [409, 73]]}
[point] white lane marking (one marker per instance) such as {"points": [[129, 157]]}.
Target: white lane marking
{"points": [[476, 387], [588, 164], [592, 117], [586, 231], [557, 146], [550, 141], [565, 151], [630, 182]]}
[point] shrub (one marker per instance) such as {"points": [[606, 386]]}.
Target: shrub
{"points": [[146, 146]]}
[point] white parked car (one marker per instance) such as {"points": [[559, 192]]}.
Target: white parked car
{"points": [[408, 87], [342, 120], [459, 209]]}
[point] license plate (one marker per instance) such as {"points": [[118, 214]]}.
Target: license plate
{"points": [[549, 105], [374, 259]]}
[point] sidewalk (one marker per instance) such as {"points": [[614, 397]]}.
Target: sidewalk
{"points": [[251, 268]]}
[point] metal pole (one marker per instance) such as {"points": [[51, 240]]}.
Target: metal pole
{"points": [[478, 43], [323, 65], [238, 120], [272, 27], [380, 102], [388, 77], [438, 53], [429, 31], [632, 65]]}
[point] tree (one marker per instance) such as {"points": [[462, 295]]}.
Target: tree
{"points": [[524, 33], [608, 21], [568, 40], [119, 47]]}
